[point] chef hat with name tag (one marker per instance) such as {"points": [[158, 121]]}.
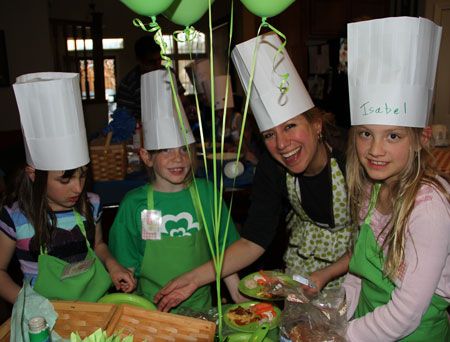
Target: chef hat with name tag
{"points": [[160, 121], [269, 105], [391, 70], [52, 120]]}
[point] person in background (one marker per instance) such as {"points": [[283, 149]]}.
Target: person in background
{"points": [[49, 220], [299, 172], [148, 56], [158, 230], [398, 287]]}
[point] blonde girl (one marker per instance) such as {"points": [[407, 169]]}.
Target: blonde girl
{"points": [[398, 286]]}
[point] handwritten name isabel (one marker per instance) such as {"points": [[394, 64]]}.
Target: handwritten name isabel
{"points": [[367, 108]]}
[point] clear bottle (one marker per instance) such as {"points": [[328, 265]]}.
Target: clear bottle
{"points": [[38, 330]]}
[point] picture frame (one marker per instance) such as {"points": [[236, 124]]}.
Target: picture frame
{"points": [[4, 69]]}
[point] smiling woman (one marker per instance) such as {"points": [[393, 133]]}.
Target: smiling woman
{"points": [[299, 168]]}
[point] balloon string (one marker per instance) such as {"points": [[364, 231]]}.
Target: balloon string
{"points": [[284, 84], [189, 34], [153, 26]]}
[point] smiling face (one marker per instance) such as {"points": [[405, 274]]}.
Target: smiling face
{"points": [[295, 144], [383, 151], [171, 168], [64, 192]]}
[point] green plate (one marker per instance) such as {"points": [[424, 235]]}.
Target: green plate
{"points": [[127, 298], [257, 292], [243, 337], [251, 327]]}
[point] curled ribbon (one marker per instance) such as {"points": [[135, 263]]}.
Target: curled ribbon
{"points": [[189, 35], [153, 26], [284, 84]]}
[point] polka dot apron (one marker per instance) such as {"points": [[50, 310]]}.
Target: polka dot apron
{"points": [[312, 247]]}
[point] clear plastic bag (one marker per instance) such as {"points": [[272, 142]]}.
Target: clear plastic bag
{"points": [[323, 319]]}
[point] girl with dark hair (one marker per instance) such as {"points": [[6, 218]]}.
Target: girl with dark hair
{"points": [[49, 220]]}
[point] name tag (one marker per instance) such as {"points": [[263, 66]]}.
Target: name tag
{"points": [[151, 224], [76, 268]]}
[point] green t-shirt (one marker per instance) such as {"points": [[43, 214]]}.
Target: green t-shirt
{"points": [[178, 218]]}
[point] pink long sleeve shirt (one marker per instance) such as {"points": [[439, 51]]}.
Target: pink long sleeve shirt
{"points": [[426, 272]]}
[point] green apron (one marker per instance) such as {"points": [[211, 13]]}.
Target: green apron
{"points": [[88, 286], [168, 258], [367, 263], [312, 247]]}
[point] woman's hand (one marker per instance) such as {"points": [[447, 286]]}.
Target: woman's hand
{"points": [[319, 278], [175, 292]]}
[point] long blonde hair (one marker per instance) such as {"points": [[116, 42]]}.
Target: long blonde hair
{"points": [[418, 171]]}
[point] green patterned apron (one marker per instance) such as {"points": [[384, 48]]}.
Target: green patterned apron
{"points": [[312, 247], [367, 262]]}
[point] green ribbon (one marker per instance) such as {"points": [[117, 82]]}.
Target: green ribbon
{"points": [[190, 33], [284, 84], [153, 26]]}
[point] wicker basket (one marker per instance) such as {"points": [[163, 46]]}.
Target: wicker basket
{"points": [[109, 161], [84, 318], [159, 326]]}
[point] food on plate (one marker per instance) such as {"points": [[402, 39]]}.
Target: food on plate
{"points": [[261, 312]]}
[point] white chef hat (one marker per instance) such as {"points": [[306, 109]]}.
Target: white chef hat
{"points": [[160, 121], [269, 105], [52, 120], [220, 85], [201, 70], [391, 70]]}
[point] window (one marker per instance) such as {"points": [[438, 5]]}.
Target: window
{"points": [[182, 53], [86, 66], [86, 44], [87, 76]]}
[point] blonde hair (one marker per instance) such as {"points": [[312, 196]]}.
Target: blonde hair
{"points": [[418, 171]]}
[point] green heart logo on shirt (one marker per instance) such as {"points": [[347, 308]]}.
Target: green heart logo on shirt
{"points": [[179, 225]]}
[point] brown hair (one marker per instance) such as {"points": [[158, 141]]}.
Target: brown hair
{"points": [[31, 197]]}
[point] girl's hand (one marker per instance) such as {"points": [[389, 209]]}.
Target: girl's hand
{"points": [[122, 278]]}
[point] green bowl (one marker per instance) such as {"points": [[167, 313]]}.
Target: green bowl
{"points": [[127, 298]]}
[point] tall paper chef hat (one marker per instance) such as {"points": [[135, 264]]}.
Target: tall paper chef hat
{"points": [[269, 105], [201, 70], [391, 70], [160, 121], [52, 120], [220, 85]]}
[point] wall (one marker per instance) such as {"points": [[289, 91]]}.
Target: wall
{"points": [[28, 49]]}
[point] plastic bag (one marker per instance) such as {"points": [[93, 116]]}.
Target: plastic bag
{"points": [[323, 319]]}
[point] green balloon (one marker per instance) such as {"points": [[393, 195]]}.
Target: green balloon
{"points": [[148, 8], [186, 12], [267, 8]]}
